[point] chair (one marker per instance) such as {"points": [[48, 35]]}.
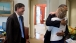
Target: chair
{"points": [[27, 34], [4, 26]]}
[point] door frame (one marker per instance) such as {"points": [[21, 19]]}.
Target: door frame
{"points": [[31, 16]]}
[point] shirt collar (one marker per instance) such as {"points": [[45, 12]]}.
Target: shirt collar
{"points": [[17, 15]]}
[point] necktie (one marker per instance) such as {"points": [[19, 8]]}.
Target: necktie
{"points": [[21, 27]]}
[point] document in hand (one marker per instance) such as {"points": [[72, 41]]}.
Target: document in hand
{"points": [[70, 41]]}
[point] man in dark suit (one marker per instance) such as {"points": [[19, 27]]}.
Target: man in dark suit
{"points": [[15, 26]]}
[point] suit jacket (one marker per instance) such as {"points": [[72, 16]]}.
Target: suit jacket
{"points": [[13, 32], [55, 24]]}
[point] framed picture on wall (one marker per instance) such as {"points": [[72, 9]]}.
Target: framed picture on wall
{"points": [[6, 7]]}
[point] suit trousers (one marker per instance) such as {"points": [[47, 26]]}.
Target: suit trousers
{"points": [[23, 40]]}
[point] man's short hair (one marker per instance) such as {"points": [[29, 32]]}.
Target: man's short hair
{"points": [[19, 5], [62, 5]]}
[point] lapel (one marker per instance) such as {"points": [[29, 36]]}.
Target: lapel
{"points": [[16, 19]]}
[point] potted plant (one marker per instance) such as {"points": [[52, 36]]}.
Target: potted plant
{"points": [[72, 32]]}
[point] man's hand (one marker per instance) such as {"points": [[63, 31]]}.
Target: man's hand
{"points": [[63, 22], [52, 12], [60, 33]]}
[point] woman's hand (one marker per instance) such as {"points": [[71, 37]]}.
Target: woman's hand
{"points": [[63, 22], [52, 12], [60, 33]]}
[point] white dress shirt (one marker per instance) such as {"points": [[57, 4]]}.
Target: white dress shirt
{"points": [[17, 16]]}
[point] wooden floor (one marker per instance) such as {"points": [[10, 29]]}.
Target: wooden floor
{"points": [[38, 39], [40, 31], [35, 41]]}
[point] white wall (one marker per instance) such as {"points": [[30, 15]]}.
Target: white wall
{"points": [[52, 5], [2, 19], [73, 13], [62, 2]]}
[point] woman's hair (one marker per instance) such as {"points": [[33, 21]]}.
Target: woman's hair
{"points": [[61, 12], [62, 5]]}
